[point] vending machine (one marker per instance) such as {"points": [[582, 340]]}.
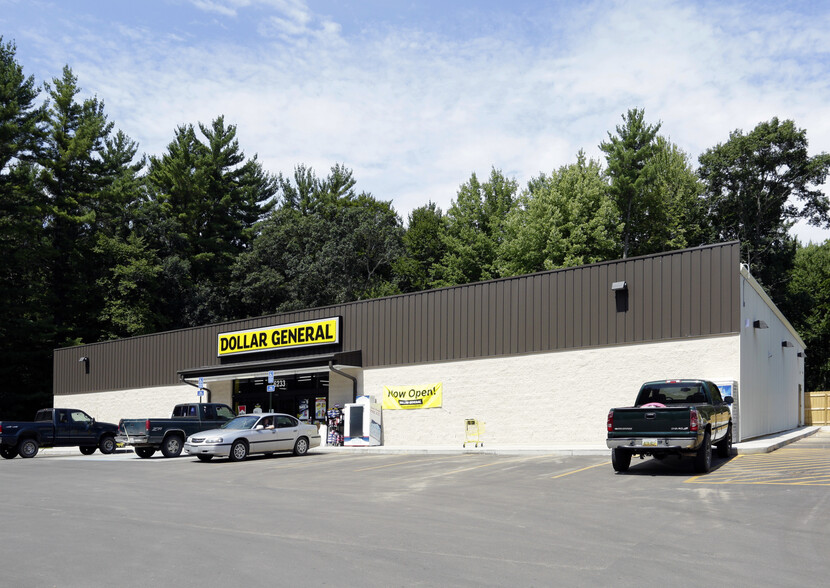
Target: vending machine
{"points": [[363, 424]]}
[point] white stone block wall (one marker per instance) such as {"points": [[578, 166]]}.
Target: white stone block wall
{"points": [[110, 407], [545, 399]]}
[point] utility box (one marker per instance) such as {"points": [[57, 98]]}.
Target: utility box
{"points": [[730, 388], [363, 425]]}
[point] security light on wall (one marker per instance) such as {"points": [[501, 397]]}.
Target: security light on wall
{"points": [[617, 286], [786, 344], [85, 361], [760, 325], [800, 354]]}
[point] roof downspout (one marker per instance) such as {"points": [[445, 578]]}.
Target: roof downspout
{"points": [[345, 375], [181, 379]]}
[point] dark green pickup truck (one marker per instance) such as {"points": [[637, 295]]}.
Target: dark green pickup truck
{"points": [[672, 417], [148, 435]]}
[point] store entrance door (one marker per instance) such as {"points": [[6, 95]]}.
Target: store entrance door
{"points": [[303, 396]]}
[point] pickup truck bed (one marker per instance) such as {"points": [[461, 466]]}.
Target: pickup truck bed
{"points": [[672, 417]]}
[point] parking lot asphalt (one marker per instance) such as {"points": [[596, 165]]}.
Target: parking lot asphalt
{"points": [[763, 444], [348, 518]]}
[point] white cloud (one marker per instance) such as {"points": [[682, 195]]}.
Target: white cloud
{"points": [[414, 112]]}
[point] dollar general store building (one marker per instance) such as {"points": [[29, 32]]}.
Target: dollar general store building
{"points": [[539, 358]]}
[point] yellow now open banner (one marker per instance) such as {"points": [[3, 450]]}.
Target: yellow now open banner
{"points": [[409, 397]]}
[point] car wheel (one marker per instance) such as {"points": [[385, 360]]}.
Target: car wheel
{"points": [[703, 459], [725, 445], [172, 446], [27, 448], [204, 457], [239, 451], [107, 445], [8, 452], [144, 452], [301, 446], [620, 459], [87, 450]]}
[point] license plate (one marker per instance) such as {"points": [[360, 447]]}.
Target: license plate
{"points": [[649, 442]]}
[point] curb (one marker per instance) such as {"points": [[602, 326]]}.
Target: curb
{"points": [[773, 442]]}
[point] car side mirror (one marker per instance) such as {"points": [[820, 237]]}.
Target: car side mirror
{"points": [[728, 400]]}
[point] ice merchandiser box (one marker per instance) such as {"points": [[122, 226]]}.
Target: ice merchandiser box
{"points": [[362, 424]]}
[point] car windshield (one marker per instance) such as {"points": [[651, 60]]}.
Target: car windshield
{"points": [[246, 421]]}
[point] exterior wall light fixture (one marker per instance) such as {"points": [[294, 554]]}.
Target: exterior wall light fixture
{"points": [[759, 325], [618, 286], [786, 344], [85, 361]]}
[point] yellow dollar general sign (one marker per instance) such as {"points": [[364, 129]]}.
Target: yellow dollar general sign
{"points": [[306, 334], [409, 397]]}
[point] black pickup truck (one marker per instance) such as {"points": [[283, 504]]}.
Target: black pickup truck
{"points": [[672, 417], [56, 427], [149, 435]]}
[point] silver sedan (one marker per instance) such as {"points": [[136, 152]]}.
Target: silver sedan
{"points": [[254, 433]]}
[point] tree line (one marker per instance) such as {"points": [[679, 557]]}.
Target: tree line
{"points": [[101, 242]]}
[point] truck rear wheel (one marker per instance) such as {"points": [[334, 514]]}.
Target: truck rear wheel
{"points": [[8, 452], [27, 448], [107, 444], [172, 446], [620, 459], [703, 458], [144, 452], [87, 450]]}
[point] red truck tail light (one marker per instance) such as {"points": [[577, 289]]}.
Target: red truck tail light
{"points": [[693, 420], [610, 423], [147, 425]]}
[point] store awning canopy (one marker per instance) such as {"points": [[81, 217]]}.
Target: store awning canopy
{"points": [[284, 364]]}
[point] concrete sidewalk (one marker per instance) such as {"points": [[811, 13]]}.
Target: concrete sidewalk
{"points": [[764, 444]]}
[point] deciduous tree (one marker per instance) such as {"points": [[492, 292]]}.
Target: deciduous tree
{"points": [[757, 185], [807, 305], [561, 220]]}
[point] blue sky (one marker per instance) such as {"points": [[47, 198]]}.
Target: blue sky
{"points": [[415, 96]]}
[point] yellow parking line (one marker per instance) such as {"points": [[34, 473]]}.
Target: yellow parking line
{"points": [[582, 470], [389, 465], [498, 462]]}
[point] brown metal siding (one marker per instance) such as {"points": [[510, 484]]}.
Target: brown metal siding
{"points": [[674, 295]]}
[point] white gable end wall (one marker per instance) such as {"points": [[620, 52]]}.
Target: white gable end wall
{"points": [[772, 375]]}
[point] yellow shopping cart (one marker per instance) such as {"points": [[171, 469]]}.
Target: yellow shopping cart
{"points": [[473, 429]]}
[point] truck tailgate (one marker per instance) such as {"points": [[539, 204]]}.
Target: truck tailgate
{"points": [[650, 421], [134, 426]]}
